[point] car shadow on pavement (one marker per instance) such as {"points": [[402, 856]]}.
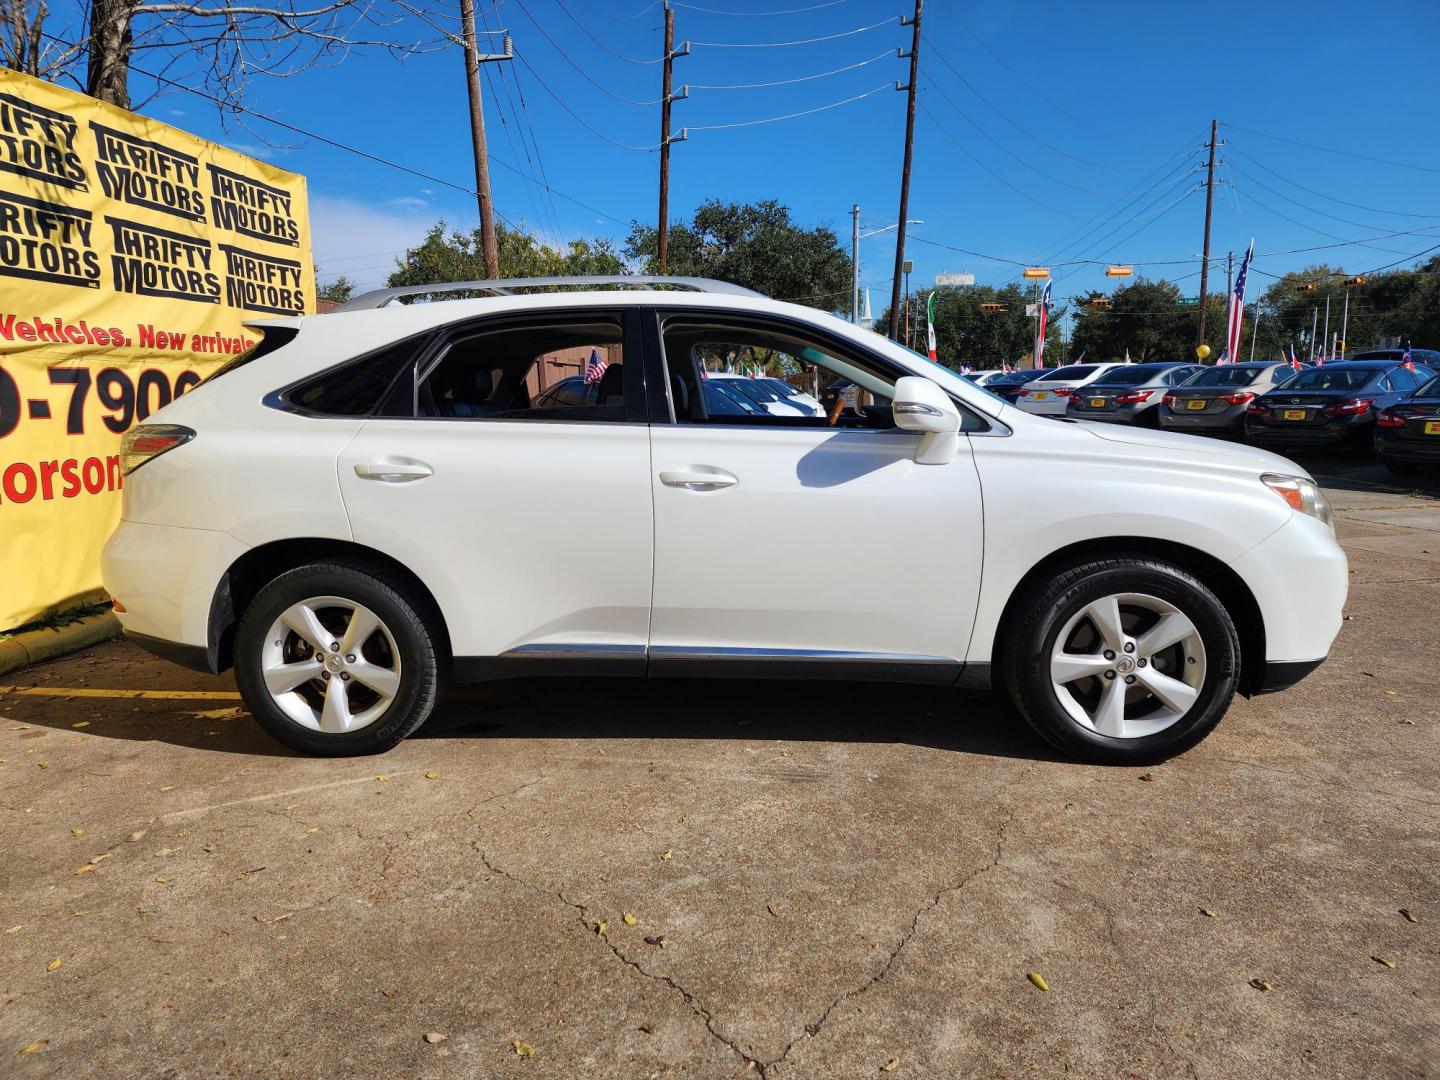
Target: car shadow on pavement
{"points": [[941, 718]]}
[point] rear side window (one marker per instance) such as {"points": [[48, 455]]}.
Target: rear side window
{"points": [[355, 388], [1065, 374]]}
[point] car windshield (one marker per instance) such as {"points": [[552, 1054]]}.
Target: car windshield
{"points": [[754, 389], [1129, 376], [1072, 373], [1429, 388], [784, 389], [1331, 378], [1227, 375]]}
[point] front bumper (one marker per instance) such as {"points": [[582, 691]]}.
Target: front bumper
{"points": [[1299, 577], [1283, 674], [1410, 450]]}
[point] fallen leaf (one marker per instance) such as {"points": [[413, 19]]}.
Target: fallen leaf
{"points": [[1039, 981], [87, 911], [432, 776], [1207, 913], [385, 780], [771, 909], [100, 858], [658, 939], [82, 723], [16, 928], [522, 1049], [1147, 777], [168, 787], [207, 847], [648, 1029], [162, 879], [433, 1037], [42, 764], [1408, 721], [134, 836], [1392, 693], [1409, 917], [1381, 960], [600, 927], [277, 918], [36, 1046], [1261, 985], [85, 869], [891, 1065], [389, 992], [1368, 674], [219, 714], [666, 856], [629, 919], [77, 831], [53, 965], [163, 852], [312, 829]]}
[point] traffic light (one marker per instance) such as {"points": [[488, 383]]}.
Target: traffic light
{"points": [[1306, 286], [992, 307], [1099, 301], [1356, 281]]}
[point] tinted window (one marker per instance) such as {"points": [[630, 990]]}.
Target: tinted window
{"points": [[1400, 379], [354, 389], [1074, 371], [1227, 375], [1328, 377], [1129, 376], [497, 373], [1429, 388], [722, 400], [755, 390]]}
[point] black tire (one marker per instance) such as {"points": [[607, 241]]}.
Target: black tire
{"points": [[1043, 611], [403, 612], [1401, 468]]}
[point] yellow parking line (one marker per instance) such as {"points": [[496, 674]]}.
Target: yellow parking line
{"points": [[87, 692]]}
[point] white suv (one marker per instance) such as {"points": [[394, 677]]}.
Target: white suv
{"points": [[380, 500]]}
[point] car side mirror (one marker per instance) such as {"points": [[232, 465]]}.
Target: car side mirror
{"points": [[920, 405]]}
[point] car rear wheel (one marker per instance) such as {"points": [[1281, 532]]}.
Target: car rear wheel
{"points": [[336, 659], [1121, 660]]}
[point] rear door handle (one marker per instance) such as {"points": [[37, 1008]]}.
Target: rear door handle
{"points": [[698, 478], [392, 472]]}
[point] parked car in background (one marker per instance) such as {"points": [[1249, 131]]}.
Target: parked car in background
{"points": [[1213, 402], [1129, 394], [794, 395], [766, 396], [1407, 433], [1421, 357], [1330, 405], [1049, 392], [983, 378], [571, 390], [369, 505], [1007, 384]]}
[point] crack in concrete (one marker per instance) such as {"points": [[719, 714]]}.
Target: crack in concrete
{"points": [[504, 794]]}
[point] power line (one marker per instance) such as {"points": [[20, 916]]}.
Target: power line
{"points": [[886, 55], [591, 35], [1296, 202], [786, 44], [1329, 150], [713, 11], [1311, 228], [787, 116], [565, 55], [1330, 198], [576, 116]]}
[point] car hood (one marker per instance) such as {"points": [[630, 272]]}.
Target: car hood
{"points": [[1217, 450]]}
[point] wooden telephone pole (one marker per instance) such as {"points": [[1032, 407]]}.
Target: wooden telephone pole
{"points": [[662, 240], [1205, 251], [905, 172], [473, 60]]}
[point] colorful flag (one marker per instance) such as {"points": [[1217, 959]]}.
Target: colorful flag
{"points": [[1407, 360], [1127, 354], [595, 367], [930, 324], [1040, 330], [1237, 309], [1005, 367], [1294, 360]]}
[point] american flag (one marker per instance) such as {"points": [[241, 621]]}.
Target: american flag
{"points": [[1237, 309], [595, 367], [1040, 330]]}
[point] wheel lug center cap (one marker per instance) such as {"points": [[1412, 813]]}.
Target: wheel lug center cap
{"points": [[1125, 665], [334, 663]]}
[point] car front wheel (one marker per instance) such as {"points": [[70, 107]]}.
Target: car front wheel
{"points": [[337, 659], [1121, 660]]}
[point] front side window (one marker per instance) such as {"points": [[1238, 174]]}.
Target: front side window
{"points": [[571, 367]]}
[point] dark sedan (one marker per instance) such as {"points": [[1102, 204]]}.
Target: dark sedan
{"points": [[1214, 402], [1130, 394], [1331, 404], [1407, 434], [1008, 385]]}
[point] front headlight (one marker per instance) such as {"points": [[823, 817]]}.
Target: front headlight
{"points": [[1302, 495]]}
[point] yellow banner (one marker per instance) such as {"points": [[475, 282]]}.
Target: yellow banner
{"points": [[131, 256]]}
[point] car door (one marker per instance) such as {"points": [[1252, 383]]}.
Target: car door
{"points": [[531, 526], [795, 540]]}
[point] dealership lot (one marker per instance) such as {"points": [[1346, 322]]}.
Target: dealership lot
{"points": [[823, 880]]}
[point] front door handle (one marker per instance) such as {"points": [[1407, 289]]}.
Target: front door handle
{"points": [[698, 478], [392, 472]]}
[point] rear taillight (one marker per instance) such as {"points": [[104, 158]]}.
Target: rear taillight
{"points": [[1065, 391], [1258, 408], [1170, 401], [1244, 397], [1022, 392], [1353, 407], [149, 441], [1390, 420], [1133, 397]]}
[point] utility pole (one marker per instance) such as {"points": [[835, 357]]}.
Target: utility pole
{"points": [[907, 267], [855, 264], [1229, 272], [1345, 325], [473, 60], [1205, 251], [1314, 322], [905, 170], [1325, 338], [662, 242]]}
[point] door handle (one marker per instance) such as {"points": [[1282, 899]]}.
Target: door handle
{"points": [[698, 478], [392, 472]]}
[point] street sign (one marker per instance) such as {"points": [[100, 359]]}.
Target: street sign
{"points": [[954, 279], [1189, 301], [1037, 272], [1031, 310]]}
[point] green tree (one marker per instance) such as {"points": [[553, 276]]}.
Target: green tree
{"points": [[1147, 320], [457, 256], [756, 245], [965, 333], [337, 291]]}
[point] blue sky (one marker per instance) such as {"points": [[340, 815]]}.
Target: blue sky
{"points": [[1079, 133]]}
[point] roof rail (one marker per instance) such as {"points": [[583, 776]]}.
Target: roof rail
{"points": [[507, 286]]}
